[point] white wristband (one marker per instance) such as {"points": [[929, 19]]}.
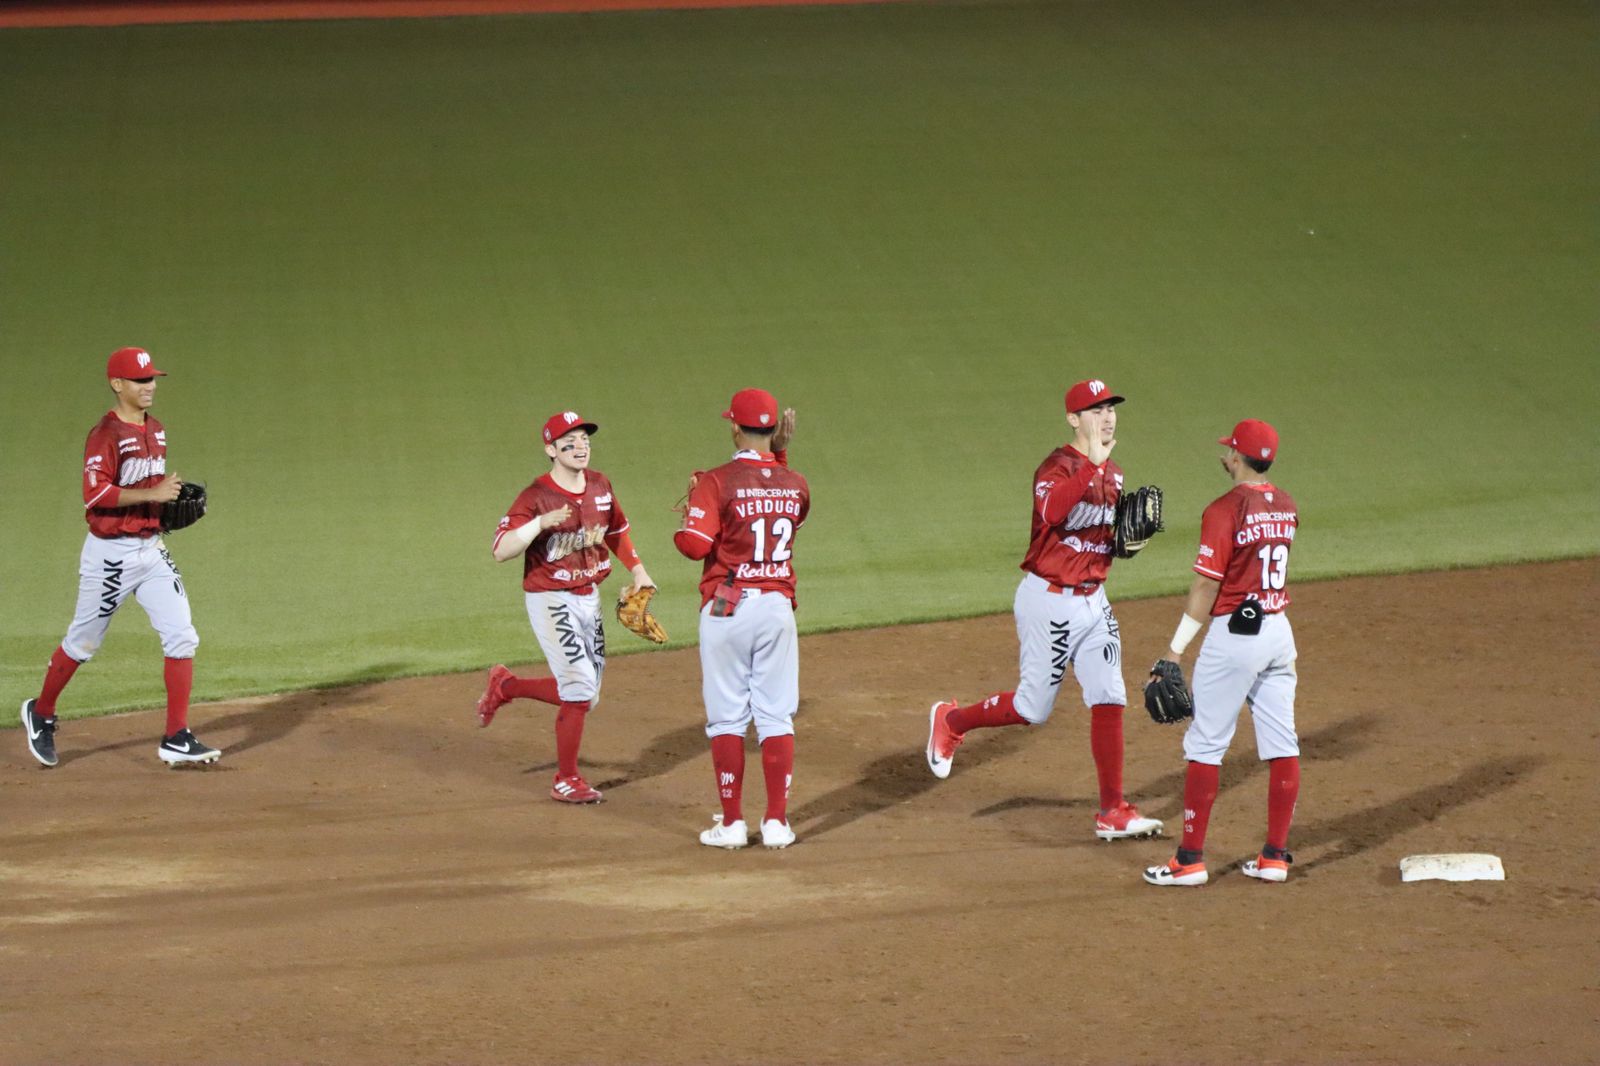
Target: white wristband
{"points": [[1187, 628], [524, 534]]}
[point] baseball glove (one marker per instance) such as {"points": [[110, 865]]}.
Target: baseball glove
{"points": [[1138, 519], [1167, 697], [187, 509], [633, 611]]}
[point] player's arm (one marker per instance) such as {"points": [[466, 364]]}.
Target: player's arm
{"points": [[620, 544], [517, 531], [1202, 597], [702, 519], [1210, 566], [100, 488], [1055, 496]]}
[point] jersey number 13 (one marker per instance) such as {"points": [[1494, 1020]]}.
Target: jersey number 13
{"points": [[1274, 565]]}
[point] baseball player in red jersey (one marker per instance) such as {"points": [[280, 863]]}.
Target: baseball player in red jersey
{"points": [[565, 526], [125, 482], [1241, 584], [1063, 616], [741, 519]]}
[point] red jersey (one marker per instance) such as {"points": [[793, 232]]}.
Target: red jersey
{"points": [[1245, 537], [1074, 518], [122, 455], [573, 554], [747, 511]]}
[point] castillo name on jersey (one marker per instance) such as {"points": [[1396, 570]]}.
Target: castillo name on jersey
{"points": [[573, 554], [1245, 537]]}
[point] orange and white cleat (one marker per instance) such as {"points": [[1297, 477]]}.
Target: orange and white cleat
{"points": [[1264, 869], [1173, 874]]}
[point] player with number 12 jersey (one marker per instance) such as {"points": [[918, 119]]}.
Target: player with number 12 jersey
{"points": [[741, 520]]}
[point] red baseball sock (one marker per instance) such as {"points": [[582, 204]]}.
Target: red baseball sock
{"points": [[569, 734], [727, 759], [777, 765], [56, 675], [1283, 789], [179, 675], [542, 689], [997, 710], [1105, 740], [1199, 793]]}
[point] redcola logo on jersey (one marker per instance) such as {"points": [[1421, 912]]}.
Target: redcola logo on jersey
{"points": [[762, 571]]}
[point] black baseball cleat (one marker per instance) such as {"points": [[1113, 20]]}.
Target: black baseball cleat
{"points": [[41, 734], [182, 749]]}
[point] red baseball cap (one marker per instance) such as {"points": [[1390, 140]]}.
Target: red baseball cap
{"points": [[561, 423], [1091, 393], [132, 363], [1254, 438], [757, 408]]}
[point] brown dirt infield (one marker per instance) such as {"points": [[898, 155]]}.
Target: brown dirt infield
{"points": [[367, 877]]}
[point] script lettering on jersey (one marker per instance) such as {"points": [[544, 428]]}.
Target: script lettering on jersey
{"points": [[1085, 515], [567, 542], [1272, 601], [1266, 525], [132, 471], [761, 571]]}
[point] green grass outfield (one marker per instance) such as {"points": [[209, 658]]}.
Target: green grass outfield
{"points": [[375, 255]]}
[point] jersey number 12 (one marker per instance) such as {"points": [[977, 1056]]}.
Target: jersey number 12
{"points": [[782, 532]]}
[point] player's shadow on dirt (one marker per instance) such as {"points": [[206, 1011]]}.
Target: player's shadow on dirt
{"points": [[894, 779], [264, 723], [663, 755], [1359, 831], [1163, 797]]}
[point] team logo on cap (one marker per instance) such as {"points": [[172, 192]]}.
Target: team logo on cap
{"points": [[765, 418], [569, 417], [1096, 387], [144, 359], [1265, 452]]}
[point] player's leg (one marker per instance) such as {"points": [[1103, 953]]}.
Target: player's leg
{"points": [[774, 698], [101, 590], [1096, 653], [1278, 745], [563, 624], [160, 592], [725, 645], [1042, 663], [1223, 674]]}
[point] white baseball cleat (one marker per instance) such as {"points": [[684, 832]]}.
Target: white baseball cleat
{"points": [[1171, 874], [732, 835], [776, 834], [1123, 821], [942, 743]]}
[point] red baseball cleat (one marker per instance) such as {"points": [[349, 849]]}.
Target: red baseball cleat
{"points": [[1124, 820], [491, 700], [574, 790], [942, 742]]}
